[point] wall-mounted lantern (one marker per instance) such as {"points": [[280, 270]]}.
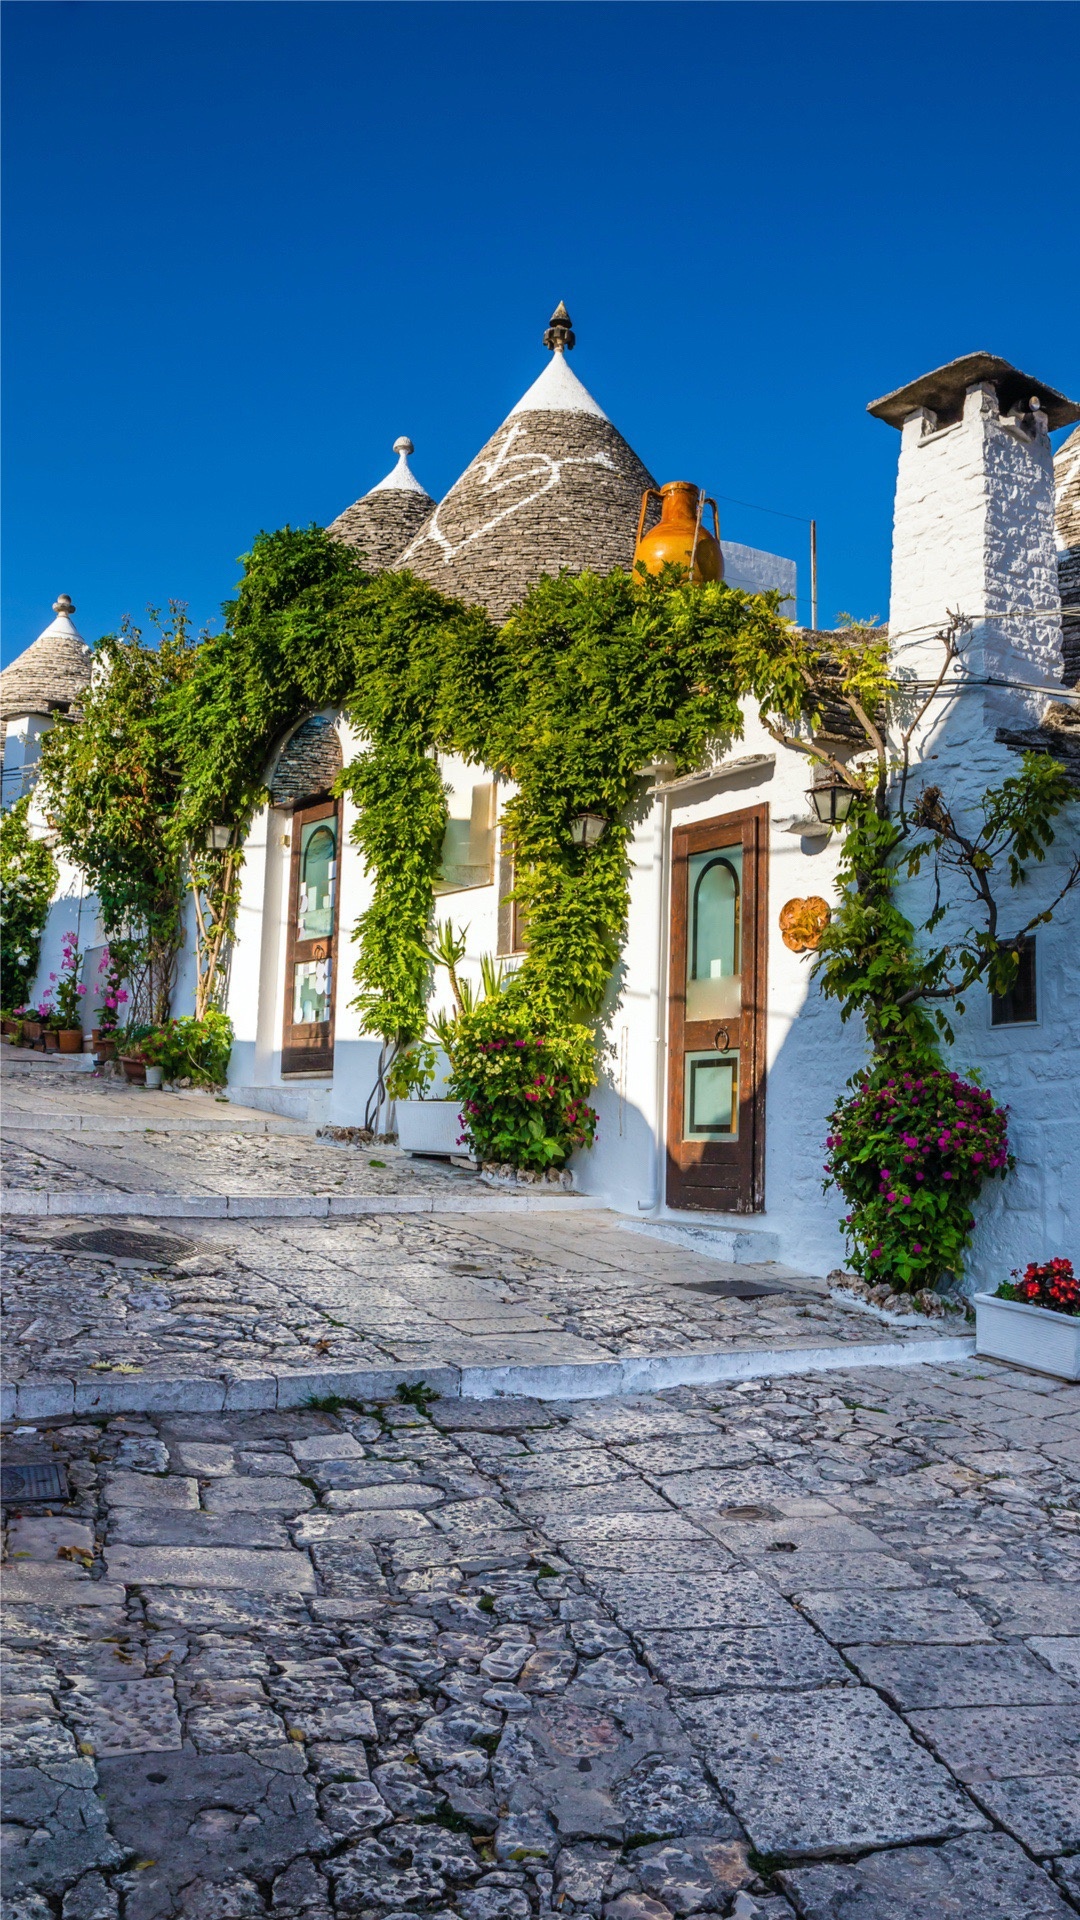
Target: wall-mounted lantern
{"points": [[217, 839], [587, 828], [831, 799]]}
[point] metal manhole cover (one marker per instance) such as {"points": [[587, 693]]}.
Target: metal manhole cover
{"points": [[33, 1480], [122, 1243], [730, 1289]]}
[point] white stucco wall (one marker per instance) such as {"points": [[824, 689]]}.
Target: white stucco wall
{"points": [[974, 533]]}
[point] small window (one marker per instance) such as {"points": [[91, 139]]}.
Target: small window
{"points": [[1018, 1007], [468, 851]]}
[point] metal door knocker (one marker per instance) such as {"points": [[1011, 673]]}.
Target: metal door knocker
{"points": [[722, 1040]]}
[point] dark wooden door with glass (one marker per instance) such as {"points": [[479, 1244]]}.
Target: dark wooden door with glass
{"points": [[716, 1027], [307, 1042]]}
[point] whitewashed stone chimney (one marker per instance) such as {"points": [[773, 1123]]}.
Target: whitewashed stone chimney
{"points": [[973, 533]]}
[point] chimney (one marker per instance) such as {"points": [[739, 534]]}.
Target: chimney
{"points": [[973, 533]]}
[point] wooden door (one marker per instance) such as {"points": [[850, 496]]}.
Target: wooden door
{"points": [[307, 1042], [716, 1024]]}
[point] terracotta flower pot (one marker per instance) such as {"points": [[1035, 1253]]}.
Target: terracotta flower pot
{"points": [[52, 1040], [70, 1039], [134, 1069], [104, 1047], [31, 1032]]}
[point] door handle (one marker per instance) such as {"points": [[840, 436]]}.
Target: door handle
{"points": [[722, 1040]]}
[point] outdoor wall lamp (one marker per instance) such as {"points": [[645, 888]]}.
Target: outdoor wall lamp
{"points": [[831, 799], [587, 828], [217, 839]]}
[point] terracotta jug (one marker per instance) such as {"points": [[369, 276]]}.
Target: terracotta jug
{"points": [[679, 535]]}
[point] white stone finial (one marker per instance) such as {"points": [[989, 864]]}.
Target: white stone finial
{"points": [[401, 479], [64, 604]]}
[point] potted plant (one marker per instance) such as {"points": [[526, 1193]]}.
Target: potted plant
{"points": [[113, 996], [1033, 1320], [68, 992], [520, 1083], [50, 1030], [30, 1025], [154, 1048], [131, 1053], [424, 1125]]}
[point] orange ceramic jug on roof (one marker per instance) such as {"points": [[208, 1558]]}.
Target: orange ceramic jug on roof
{"points": [[679, 535]]}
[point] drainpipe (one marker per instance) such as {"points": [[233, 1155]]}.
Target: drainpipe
{"points": [[659, 1128]]}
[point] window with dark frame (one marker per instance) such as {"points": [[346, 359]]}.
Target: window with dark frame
{"points": [[1018, 1007]]}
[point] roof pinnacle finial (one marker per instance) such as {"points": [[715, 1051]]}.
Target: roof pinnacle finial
{"points": [[64, 604], [559, 337]]}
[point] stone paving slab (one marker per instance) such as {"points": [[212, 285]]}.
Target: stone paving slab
{"points": [[1041, 1811], [977, 1877], [722, 1660], [825, 1772], [933, 1615], [961, 1676], [1004, 1743], [251, 1571]]}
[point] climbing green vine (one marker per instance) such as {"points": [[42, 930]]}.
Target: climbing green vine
{"points": [[27, 883], [588, 683]]}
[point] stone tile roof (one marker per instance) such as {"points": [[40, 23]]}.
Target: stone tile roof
{"points": [[52, 674], [308, 763], [383, 521], [555, 487]]}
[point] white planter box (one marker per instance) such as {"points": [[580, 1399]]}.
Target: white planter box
{"points": [[1032, 1337], [428, 1126]]}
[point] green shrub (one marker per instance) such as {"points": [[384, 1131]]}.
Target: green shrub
{"points": [[190, 1049], [910, 1152], [413, 1072], [27, 883], [522, 1083]]}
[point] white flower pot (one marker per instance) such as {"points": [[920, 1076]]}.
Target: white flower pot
{"points": [[1034, 1337], [153, 1076], [428, 1126]]}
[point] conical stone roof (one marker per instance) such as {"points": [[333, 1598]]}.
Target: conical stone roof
{"points": [[383, 521], [51, 674], [555, 487]]}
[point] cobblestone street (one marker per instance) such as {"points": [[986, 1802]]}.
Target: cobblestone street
{"points": [[304, 1628], [803, 1647]]}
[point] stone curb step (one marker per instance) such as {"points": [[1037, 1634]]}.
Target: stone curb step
{"points": [[31, 1203], [150, 1123], [43, 1399]]}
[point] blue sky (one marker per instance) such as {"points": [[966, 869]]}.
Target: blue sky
{"points": [[249, 244]]}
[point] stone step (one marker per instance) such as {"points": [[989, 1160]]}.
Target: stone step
{"points": [[101, 1392], [52, 1202], [739, 1245]]}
